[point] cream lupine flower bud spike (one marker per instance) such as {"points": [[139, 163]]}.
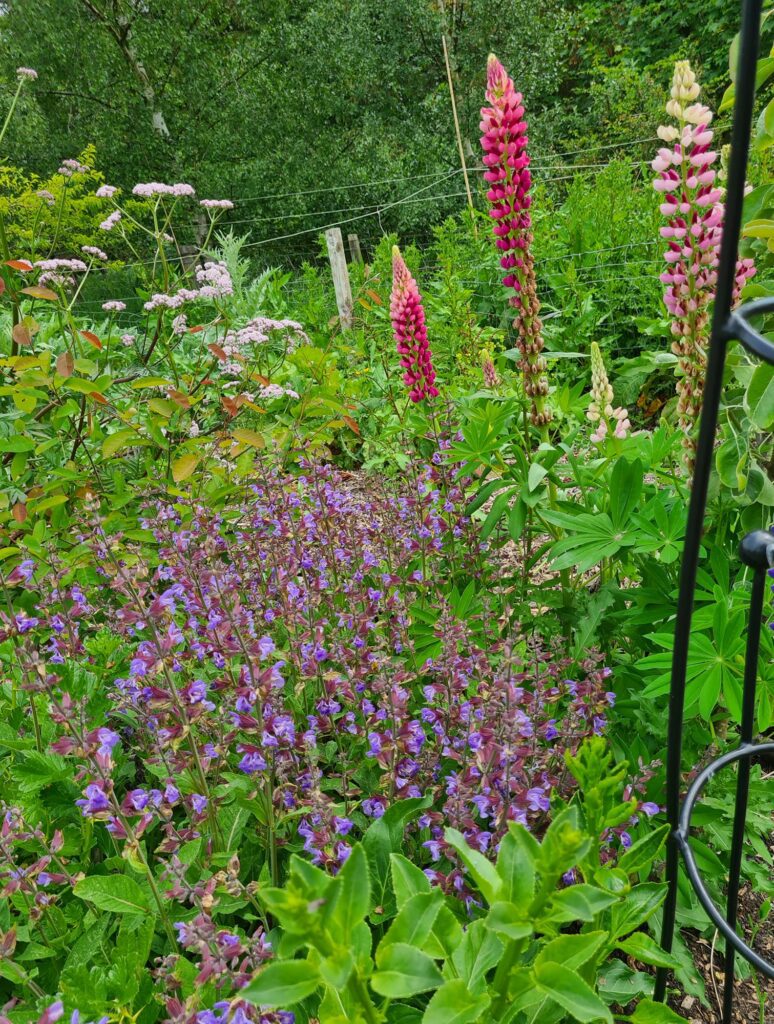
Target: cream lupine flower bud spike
{"points": [[609, 421]]}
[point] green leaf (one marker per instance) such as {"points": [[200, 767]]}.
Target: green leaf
{"points": [[184, 466], [445, 936], [573, 951], [571, 992], [759, 399], [640, 855], [116, 893], [625, 491], [453, 1003], [349, 898], [619, 983], [407, 879], [645, 949], [405, 971], [505, 919], [479, 950], [536, 475], [483, 872], [640, 904], [336, 969], [383, 838], [516, 865], [580, 902], [282, 984], [648, 1012], [121, 439], [414, 922]]}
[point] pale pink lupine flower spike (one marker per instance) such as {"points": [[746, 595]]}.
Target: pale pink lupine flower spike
{"points": [[408, 324], [692, 203]]}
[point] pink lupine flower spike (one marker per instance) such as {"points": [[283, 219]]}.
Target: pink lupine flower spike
{"points": [[408, 324]]}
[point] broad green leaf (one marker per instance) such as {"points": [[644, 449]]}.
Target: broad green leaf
{"points": [[183, 467], [479, 950], [625, 491], [640, 904], [571, 992], [249, 437], [405, 971], [383, 838], [445, 937], [536, 475], [578, 903], [642, 947], [116, 893], [648, 1012], [759, 398], [349, 898], [506, 919], [407, 879], [120, 439], [414, 922], [453, 1003], [483, 872], [150, 382], [641, 854], [282, 984], [573, 951], [516, 865]]}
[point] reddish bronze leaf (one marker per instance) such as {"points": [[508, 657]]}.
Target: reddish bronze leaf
{"points": [[19, 512], [179, 398], [64, 364], [98, 397], [22, 265], [21, 335], [92, 339]]}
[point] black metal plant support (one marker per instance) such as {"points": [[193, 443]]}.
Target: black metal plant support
{"points": [[757, 551]]}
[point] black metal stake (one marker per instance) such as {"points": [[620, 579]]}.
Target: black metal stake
{"points": [[726, 326], [743, 778]]}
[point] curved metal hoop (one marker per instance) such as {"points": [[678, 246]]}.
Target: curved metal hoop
{"points": [[682, 837], [738, 327]]}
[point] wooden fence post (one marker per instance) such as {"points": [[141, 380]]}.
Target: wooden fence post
{"points": [[355, 255], [340, 276]]}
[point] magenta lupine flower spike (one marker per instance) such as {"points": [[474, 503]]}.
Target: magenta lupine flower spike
{"points": [[504, 141], [408, 323], [692, 204]]}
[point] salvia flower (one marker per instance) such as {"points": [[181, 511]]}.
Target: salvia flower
{"points": [[504, 142], [610, 421], [692, 204], [408, 324]]}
